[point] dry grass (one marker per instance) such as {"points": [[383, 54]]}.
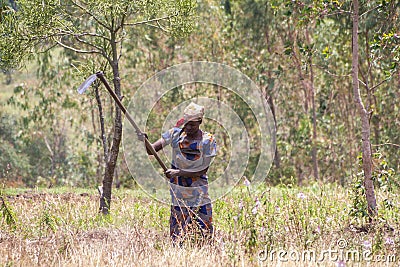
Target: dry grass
{"points": [[126, 246], [64, 229]]}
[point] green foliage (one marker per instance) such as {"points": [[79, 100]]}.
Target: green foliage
{"points": [[8, 51], [359, 207], [38, 25], [282, 176], [7, 212], [383, 175], [99, 29], [13, 162], [44, 134], [385, 179], [48, 221], [260, 38]]}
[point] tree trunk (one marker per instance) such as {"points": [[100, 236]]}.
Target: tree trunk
{"points": [[277, 157], [314, 153], [369, 85], [105, 198], [103, 131], [309, 92], [102, 161], [365, 132]]}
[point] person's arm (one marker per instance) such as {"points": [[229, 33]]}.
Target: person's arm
{"points": [[157, 145], [177, 172], [190, 173]]}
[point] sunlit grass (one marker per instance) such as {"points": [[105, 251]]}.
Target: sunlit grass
{"points": [[62, 227]]}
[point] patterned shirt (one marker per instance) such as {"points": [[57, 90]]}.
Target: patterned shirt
{"points": [[191, 156]]}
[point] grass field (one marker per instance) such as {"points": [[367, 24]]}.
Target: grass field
{"points": [[277, 226]]}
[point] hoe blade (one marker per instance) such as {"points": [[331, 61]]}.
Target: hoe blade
{"points": [[85, 85]]}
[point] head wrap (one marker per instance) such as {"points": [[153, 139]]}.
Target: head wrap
{"points": [[193, 112]]}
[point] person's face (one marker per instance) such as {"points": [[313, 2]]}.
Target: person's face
{"points": [[192, 127]]}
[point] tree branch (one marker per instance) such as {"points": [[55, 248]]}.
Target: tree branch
{"points": [[150, 20], [48, 146], [77, 50], [92, 15], [157, 27], [89, 44], [85, 34], [338, 13], [373, 87], [161, 27], [379, 84], [121, 25], [48, 49], [330, 73], [363, 83], [366, 12], [384, 144]]}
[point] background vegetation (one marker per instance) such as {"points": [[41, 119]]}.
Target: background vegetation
{"points": [[52, 135]]}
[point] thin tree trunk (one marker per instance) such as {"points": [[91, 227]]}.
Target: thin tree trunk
{"points": [[100, 166], [308, 87], [270, 101], [365, 132], [105, 198], [102, 162], [102, 128], [398, 79], [312, 93], [52, 155], [371, 96]]}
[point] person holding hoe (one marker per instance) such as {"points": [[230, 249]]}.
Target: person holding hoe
{"points": [[192, 152]]}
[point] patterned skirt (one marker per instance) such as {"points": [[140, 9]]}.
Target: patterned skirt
{"points": [[191, 209]]}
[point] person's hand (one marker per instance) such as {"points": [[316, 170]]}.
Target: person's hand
{"points": [[172, 173], [142, 136]]}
